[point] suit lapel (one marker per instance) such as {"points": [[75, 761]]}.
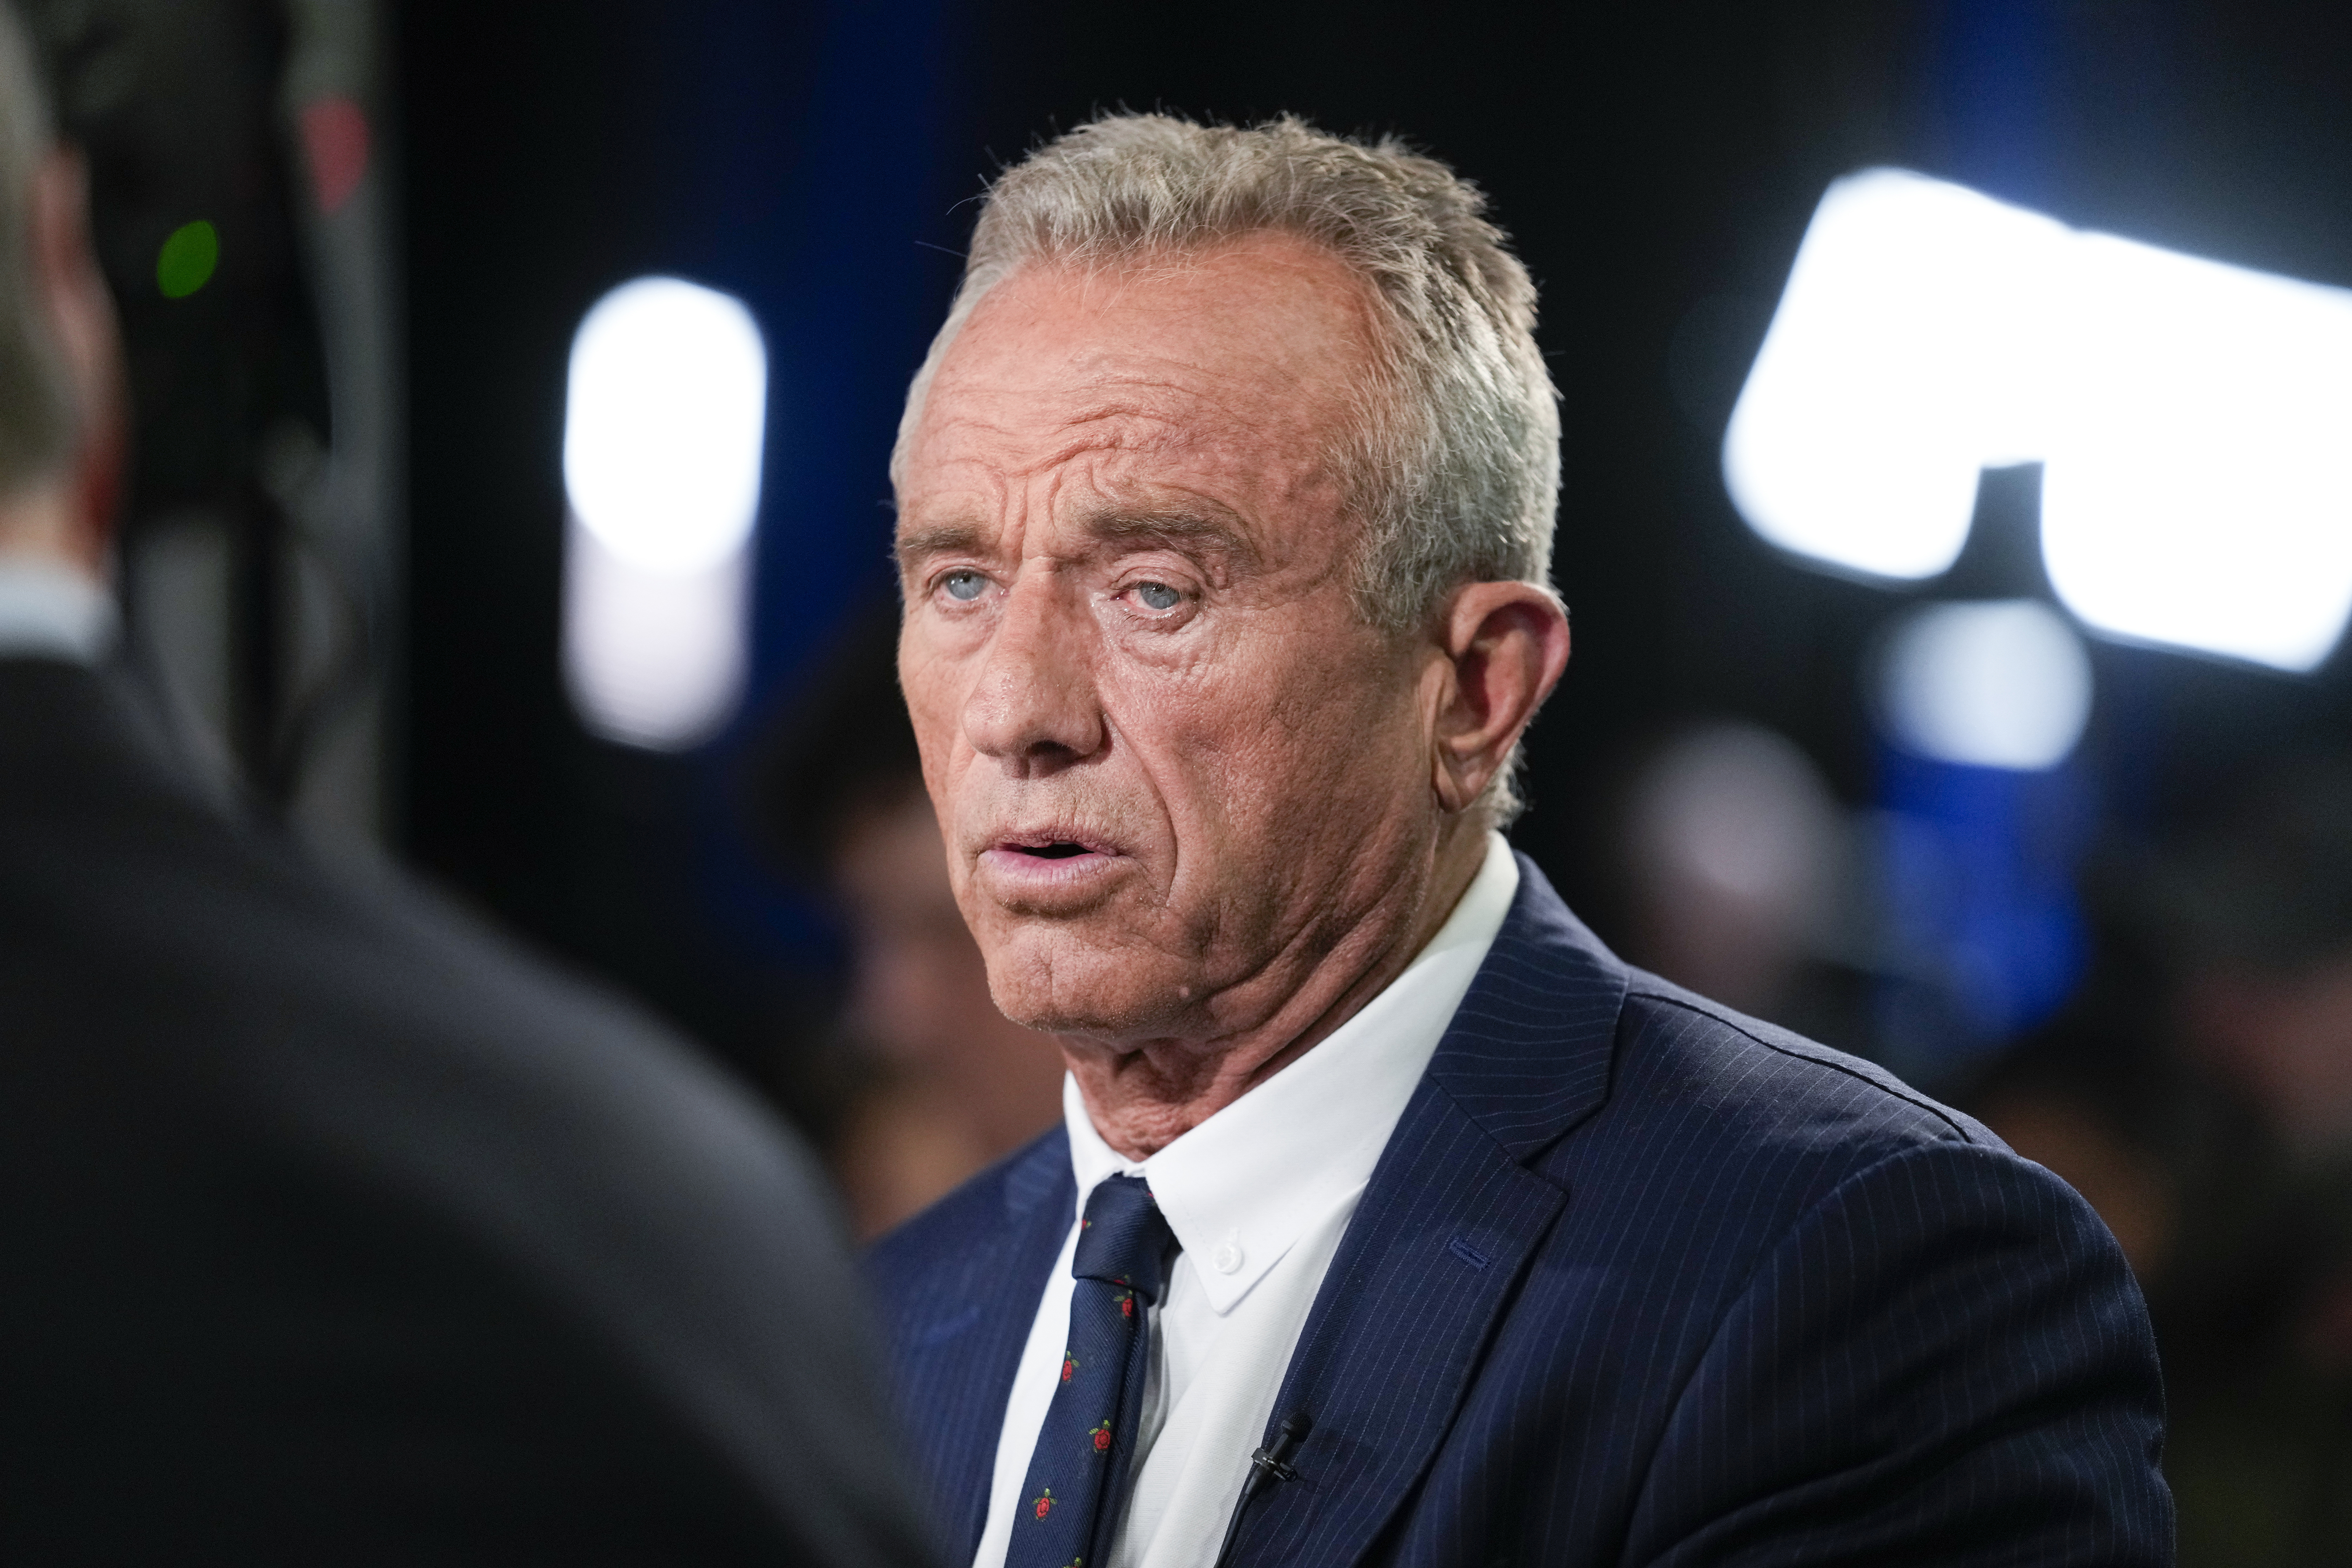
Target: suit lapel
{"points": [[1436, 1249], [965, 1355]]}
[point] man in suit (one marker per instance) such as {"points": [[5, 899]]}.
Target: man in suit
{"points": [[333, 1232], [1393, 1219]]}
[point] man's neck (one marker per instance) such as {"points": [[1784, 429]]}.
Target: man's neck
{"points": [[1142, 1099]]}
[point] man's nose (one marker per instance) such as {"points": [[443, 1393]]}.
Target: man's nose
{"points": [[1033, 705]]}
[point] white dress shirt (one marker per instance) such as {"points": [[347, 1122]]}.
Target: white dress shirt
{"points": [[48, 610], [1258, 1196]]}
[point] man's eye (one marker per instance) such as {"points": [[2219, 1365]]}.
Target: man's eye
{"points": [[1158, 595], [964, 586]]}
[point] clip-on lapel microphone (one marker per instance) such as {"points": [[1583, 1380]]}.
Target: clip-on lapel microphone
{"points": [[1268, 1465]]}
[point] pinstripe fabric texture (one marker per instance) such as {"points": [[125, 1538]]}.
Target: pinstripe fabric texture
{"points": [[1637, 1281]]}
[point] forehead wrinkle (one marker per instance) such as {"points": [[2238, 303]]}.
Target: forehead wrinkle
{"points": [[1058, 431], [1181, 407], [1173, 401], [1093, 490], [1196, 525], [1055, 443]]}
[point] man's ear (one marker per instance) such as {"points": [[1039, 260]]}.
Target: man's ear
{"points": [[81, 318], [1503, 647]]}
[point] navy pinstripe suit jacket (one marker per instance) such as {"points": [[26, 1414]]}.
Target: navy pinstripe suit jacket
{"points": [[1637, 1281]]}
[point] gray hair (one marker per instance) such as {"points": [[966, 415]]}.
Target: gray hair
{"points": [[1455, 472], [37, 394]]}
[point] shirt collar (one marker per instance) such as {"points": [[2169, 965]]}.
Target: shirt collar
{"points": [[48, 610], [1243, 1185]]}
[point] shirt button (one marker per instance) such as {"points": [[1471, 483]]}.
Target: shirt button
{"points": [[1228, 1256]]}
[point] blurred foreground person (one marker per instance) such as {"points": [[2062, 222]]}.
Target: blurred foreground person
{"points": [[937, 1082], [2200, 1094], [1392, 1219], [333, 1234]]}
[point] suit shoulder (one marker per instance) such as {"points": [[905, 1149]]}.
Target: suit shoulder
{"points": [[352, 1026], [1721, 1138], [1769, 1083]]}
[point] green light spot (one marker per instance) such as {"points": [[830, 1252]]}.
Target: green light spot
{"points": [[188, 257]]}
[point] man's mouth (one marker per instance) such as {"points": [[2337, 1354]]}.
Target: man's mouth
{"points": [[1046, 844], [1048, 858], [1060, 849]]}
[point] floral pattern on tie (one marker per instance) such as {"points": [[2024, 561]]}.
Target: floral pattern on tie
{"points": [[1077, 1472]]}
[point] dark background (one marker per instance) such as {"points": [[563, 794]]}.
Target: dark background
{"points": [[1657, 165]]}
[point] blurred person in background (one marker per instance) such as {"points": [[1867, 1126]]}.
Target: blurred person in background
{"points": [[1393, 1218], [1725, 865], [334, 1232], [2199, 1093], [925, 1082]]}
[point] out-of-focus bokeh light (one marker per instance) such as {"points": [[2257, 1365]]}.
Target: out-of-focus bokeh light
{"points": [[664, 425], [1738, 811], [1890, 375], [665, 414], [653, 659], [1735, 852], [335, 144], [1997, 684], [2198, 487], [191, 253], [2191, 416]]}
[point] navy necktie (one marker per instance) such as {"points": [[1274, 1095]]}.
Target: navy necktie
{"points": [[1078, 1472]]}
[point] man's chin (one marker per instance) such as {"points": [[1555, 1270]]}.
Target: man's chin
{"points": [[1057, 981]]}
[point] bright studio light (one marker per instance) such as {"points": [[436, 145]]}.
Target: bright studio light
{"points": [[2003, 684], [2197, 487], [652, 658], [1878, 393], [662, 421], [665, 418]]}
